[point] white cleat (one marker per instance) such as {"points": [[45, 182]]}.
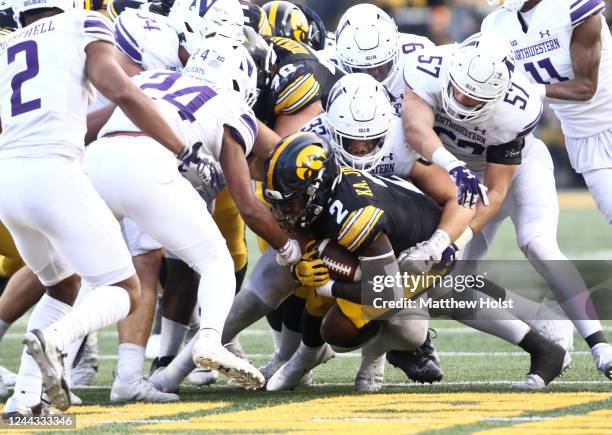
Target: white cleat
{"points": [[50, 362], [293, 371], [235, 347], [162, 381], [371, 375], [86, 369], [272, 367], [531, 382], [4, 392], [140, 391], [13, 408], [208, 353], [560, 332], [8, 377], [602, 354], [202, 377]]}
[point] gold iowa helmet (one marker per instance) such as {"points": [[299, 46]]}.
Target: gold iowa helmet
{"points": [[287, 20]]}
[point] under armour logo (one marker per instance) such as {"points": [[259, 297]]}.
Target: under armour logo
{"points": [[476, 129], [545, 34], [390, 156], [514, 43]]}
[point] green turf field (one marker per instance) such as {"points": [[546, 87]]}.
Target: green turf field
{"points": [[472, 398]]}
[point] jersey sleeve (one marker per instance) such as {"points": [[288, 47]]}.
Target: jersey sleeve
{"points": [[581, 10], [294, 87], [239, 117], [96, 27], [509, 153]]}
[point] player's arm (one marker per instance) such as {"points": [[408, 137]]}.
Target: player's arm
{"points": [[585, 50], [111, 81], [287, 124], [255, 214], [264, 144], [96, 120], [497, 178], [435, 182]]}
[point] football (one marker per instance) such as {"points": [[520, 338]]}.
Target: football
{"points": [[342, 264]]}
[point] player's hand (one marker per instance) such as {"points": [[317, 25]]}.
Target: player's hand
{"points": [[420, 258], [469, 187], [311, 272], [289, 254], [189, 155], [211, 174]]}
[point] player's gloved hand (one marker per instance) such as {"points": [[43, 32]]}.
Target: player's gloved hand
{"points": [[469, 187], [422, 256], [311, 271], [289, 254], [189, 155], [211, 174]]}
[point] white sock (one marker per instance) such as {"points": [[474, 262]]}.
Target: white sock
{"points": [[4, 326], [587, 327], [131, 362], [172, 336], [101, 308], [216, 293], [71, 352], [289, 343], [180, 366], [28, 386], [309, 353], [276, 337]]}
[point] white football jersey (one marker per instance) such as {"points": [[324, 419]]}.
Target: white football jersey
{"points": [[44, 88], [399, 158], [542, 49], [514, 116], [195, 109], [409, 44], [148, 40]]}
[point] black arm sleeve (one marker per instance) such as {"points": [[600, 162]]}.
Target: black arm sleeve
{"points": [[509, 153]]}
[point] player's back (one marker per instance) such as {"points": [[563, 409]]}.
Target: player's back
{"points": [[196, 109], [44, 89]]}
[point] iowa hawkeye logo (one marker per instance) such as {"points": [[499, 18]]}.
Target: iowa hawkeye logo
{"points": [[308, 161]]}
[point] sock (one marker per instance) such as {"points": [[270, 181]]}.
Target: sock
{"points": [[28, 386], [102, 307], [309, 353], [131, 362], [194, 325], [290, 341], [4, 326], [532, 342], [216, 292], [276, 337], [71, 352], [595, 339], [172, 336], [180, 367]]}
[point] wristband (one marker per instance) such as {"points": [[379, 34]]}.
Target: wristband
{"points": [[326, 289], [445, 159], [464, 238]]}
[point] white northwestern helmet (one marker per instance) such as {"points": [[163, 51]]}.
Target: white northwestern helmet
{"points": [[21, 6], [367, 41], [480, 68], [510, 5], [195, 20], [358, 108], [226, 64]]}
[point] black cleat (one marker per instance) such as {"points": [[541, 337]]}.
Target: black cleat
{"points": [[160, 362], [421, 365]]}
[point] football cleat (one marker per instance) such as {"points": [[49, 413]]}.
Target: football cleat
{"points": [[202, 377], [208, 353], [235, 347], [163, 381], [85, 370], [13, 409], [272, 367], [602, 354], [141, 390], [371, 375], [421, 365], [293, 372], [160, 362], [50, 362], [548, 363], [8, 377]]}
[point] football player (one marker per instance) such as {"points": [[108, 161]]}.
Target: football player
{"points": [[565, 47], [376, 218], [73, 49]]}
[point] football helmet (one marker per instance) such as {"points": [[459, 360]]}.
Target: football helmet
{"points": [[287, 20], [316, 28], [115, 7], [358, 108], [510, 5], [256, 18], [367, 41], [21, 6], [227, 64], [299, 179], [263, 55], [481, 69], [195, 20]]}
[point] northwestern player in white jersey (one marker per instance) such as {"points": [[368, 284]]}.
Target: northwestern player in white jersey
{"points": [[469, 102], [153, 193], [367, 41], [565, 47], [64, 230]]}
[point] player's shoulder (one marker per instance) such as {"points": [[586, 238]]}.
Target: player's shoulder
{"points": [[520, 109], [91, 24], [424, 74], [230, 109], [581, 10]]}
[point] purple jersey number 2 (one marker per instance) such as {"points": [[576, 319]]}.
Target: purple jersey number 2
{"points": [[19, 107]]}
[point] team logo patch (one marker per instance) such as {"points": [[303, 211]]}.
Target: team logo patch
{"points": [[309, 160]]}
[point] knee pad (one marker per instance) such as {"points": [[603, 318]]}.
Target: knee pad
{"points": [[269, 281]]}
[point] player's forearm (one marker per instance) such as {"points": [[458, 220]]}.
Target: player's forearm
{"points": [[485, 214], [351, 291], [95, 122], [260, 220], [421, 138], [455, 219], [579, 89]]}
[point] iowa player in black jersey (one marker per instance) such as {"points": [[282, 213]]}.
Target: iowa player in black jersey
{"points": [[377, 219]]}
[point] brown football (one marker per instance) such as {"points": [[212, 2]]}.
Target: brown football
{"points": [[342, 264]]}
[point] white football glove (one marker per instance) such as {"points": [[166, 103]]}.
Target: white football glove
{"points": [[289, 254], [421, 257]]}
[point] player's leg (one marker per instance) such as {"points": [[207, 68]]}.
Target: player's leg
{"points": [[534, 213], [599, 181]]}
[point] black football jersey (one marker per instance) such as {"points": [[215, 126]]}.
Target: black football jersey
{"points": [[301, 78], [364, 205]]}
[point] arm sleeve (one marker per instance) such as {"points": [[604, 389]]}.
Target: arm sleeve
{"points": [[509, 153], [296, 90], [581, 10], [241, 121], [96, 27]]}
